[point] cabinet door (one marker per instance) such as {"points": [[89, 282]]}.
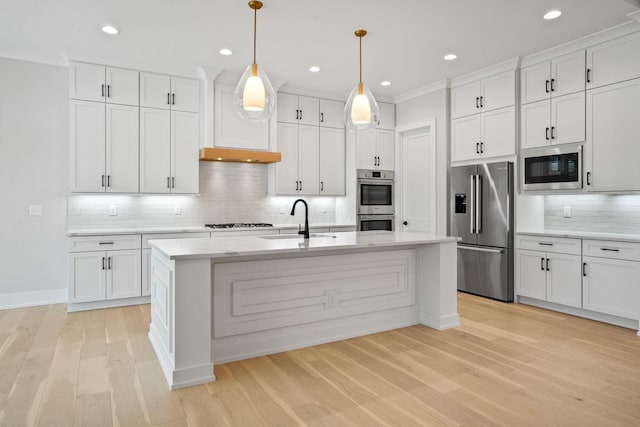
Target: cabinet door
{"points": [[287, 169], [155, 150], [185, 94], [146, 272], [498, 91], [309, 110], [465, 138], [87, 151], [534, 127], [611, 286], [123, 274], [387, 119], [366, 152], [287, 107], [564, 279], [612, 137], [532, 276], [155, 90], [86, 82], [498, 133], [231, 130], [465, 100], [332, 162], [122, 86], [185, 144], [309, 159], [535, 82], [87, 274], [568, 73], [331, 113], [122, 149], [385, 149], [568, 118], [614, 61]]}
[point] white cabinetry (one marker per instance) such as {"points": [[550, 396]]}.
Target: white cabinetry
{"points": [[298, 109], [332, 162], [331, 113], [613, 135], [484, 135], [557, 77], [91, 82], [169, 92], [613, 61], [230, 130], [558, 121], [298, 172], [387, 118], [491, 93], [375, 150]]}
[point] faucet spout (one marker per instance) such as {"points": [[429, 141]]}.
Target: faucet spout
{"points": [[305, 231]]}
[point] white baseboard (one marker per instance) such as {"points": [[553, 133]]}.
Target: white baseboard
{"points": [[34, 298], [97, 305]]}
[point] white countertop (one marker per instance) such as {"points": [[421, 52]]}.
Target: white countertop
{"points": [[258, 245], [584, 235]]}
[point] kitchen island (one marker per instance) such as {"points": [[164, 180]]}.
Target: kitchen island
{"points": [[224, 299]]}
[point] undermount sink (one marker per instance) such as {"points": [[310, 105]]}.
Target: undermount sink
{"points": [[295, 236]]}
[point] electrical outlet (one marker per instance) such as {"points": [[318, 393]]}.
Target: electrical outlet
{"points": [[567, 212], [177, 210], [113, 210], [35, 210], [282, 209]]}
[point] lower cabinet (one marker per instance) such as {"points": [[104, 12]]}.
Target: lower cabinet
{"points": [[612, 286]]}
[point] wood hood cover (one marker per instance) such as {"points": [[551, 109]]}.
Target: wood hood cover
{"points": [[243, 156]]}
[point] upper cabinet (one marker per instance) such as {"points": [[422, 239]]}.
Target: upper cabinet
{"points": [[302, 110], [90, 82], [230, 130], [169, 92], [387, 117], [491, 93], [375, 150], [560, 76], [613, 61], [331, 113]]}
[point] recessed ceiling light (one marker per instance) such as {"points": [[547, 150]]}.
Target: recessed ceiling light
{"points": [[314, 69], [450, 57], [225, 52], [552, 14], [386, 83], [110, 30]]}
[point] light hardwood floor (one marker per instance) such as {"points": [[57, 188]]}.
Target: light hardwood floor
{"points": [[508, 364]]}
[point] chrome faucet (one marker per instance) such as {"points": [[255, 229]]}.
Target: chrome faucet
{"points": [[304, 232]]}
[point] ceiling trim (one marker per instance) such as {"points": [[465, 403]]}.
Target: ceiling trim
{"points": [[634, 15], [114, 62], [208, 73], [421, 91], [60, 61], [508, 65]]}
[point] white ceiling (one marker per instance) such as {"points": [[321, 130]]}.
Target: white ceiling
{"points": [[406, 42]]}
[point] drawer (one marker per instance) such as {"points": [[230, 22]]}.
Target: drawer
{"points": [[549, 244], [611, 249], [183, 235], [103, 243]]}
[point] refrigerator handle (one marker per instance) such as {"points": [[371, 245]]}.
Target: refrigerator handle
{"points": [[472, 204], [478, 209]]}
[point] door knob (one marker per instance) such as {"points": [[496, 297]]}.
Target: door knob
{"points": [[405, 223]]}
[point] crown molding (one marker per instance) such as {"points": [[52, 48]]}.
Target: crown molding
{"points": [[634, 15], [208, 73], [145, 67], [421, 91], [58, 60], [508, 65]]}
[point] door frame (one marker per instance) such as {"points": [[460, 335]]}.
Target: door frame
{"points": [[429, 125]]}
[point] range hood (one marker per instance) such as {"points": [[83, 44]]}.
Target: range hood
{"points": [[242, 156]]}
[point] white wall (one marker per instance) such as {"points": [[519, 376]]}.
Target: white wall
{"points": [[434, 105], [33, 171]]}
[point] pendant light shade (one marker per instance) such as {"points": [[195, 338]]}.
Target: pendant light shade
{"points": [[254, 96], [361, 111]]}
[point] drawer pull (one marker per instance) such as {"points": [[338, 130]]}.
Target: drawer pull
{"points": [[610, 250], [584, 269], [545, 244], [106, 243]]}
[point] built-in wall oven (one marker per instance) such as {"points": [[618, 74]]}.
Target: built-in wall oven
{"points": [[552, 168], [375, 222], [375, 192]]}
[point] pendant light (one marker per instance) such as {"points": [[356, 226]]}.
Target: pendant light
{"points": [[254, 96], [361, 110]]}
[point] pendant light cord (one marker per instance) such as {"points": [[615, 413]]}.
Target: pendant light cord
{"points": [[360, 58], [255, 20]]}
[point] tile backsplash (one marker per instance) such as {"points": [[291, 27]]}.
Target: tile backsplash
{"points": [[606, 213], [229, 192]]}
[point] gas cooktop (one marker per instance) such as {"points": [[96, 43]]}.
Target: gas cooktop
{"points": [[240, 225]]}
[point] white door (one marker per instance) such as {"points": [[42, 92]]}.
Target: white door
{"points": [[87, 151], [385, 149], [535, 82], [613, 136], [287, 182], [532, 275], [611, 286], [155, 151], [87, 273], [614, 61], [185, 145], [466, 134], [331, 113], [366, 152], [287, 106], [568, 74], [309, 110], [123, 274], [498, 133], [465, 100], [185, 94], [564, 279], [332, 162], [498, 91], [309, 159], [568, 118], [146, 272], [122, 86], [418, 181], [155, 90], [535, 125], [387, 119], [86, 82], [122, 149]]}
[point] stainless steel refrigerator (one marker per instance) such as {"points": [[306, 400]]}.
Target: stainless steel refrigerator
{"points": [[482, 216]]}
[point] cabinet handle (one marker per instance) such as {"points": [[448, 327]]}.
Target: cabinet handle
{"points": [[103, 263], [546, 133], [588, 75], [109, 264], [546, 86], [103, 180], [168, 182], [106, 243], [545, 244], [610, 250], [321, 185], [477, 148], [542, 264], [321, 117], [108, 91], [168, 99], [108, 180], [584, 269], [553, 87], [297, 114], [300, 185], [173, 182], [297, 186], [102, 90], [482, 102], [300, 114], [477, 101], [173, 99], [405, 223], [553, 131], [548, 264], [482, 148], [588, 178]]}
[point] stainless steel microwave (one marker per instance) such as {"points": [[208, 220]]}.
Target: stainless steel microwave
{"points": [[552, 168]]}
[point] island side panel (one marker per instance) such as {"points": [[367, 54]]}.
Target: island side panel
{"points": [[436, 271]]}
